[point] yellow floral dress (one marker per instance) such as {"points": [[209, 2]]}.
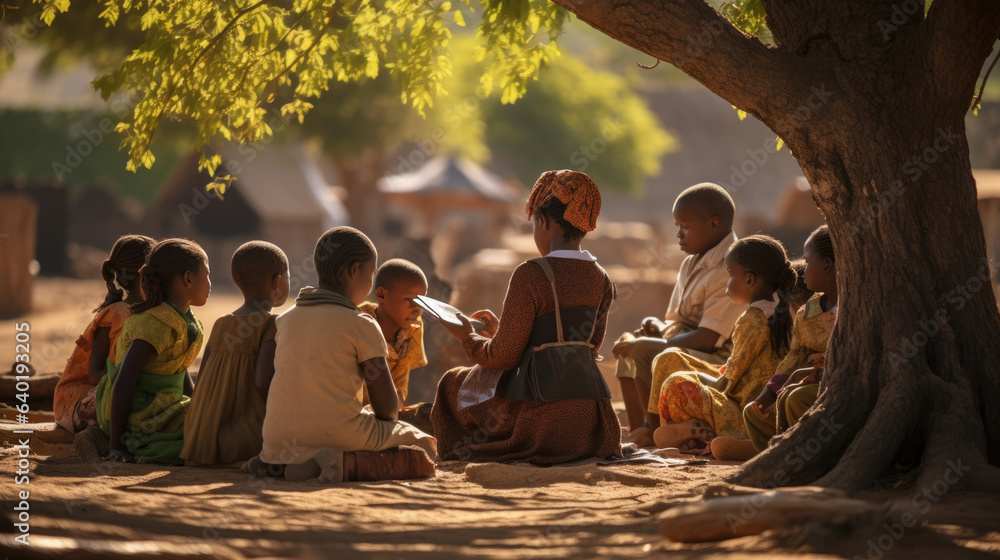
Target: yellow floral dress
{"points": [[685, 396], [406, 352], [810, 335], [155, 429]]}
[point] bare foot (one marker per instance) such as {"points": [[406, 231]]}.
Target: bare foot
{"points": [[695, 447], [392, 464], [92, 445], [674, 435], [731, 449], [641, 437], [257, 467]]}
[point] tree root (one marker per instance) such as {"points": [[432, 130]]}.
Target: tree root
{"points": [[738, 516], [871, 451]]}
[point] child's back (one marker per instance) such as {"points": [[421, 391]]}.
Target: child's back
{"points": [[327, 351], [224, 421], [315, 398], [74, 399]]}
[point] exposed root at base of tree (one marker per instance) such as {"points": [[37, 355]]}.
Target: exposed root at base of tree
{"points": [[935, 414], [742, 512]]}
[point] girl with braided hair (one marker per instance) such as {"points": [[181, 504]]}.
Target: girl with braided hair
{"points": [[795, 384], [74, 398], [699, 401], [142, 401]]}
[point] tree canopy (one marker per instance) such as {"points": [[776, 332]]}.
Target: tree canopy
{"points": [[225, 65], [362, 71]]}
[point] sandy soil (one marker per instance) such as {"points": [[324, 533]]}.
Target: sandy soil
{"points": [[476, 511]]}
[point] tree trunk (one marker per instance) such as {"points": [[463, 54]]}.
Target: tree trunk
{"points": [[18, 218], [912, 363], [359, 175], [871, 103]]}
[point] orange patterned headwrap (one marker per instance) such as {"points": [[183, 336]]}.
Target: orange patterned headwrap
{"points": [[574, 189]]}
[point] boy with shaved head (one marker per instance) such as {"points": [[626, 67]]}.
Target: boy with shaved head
{"points": [[700, 317]]}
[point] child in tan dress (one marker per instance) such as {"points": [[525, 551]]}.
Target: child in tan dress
{"points": [[223, 426]]}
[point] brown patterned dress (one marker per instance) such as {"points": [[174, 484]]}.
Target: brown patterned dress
{"points": [[505, 430]]}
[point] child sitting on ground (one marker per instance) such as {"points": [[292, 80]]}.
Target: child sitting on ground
{"points": [[397, 282], [699, 319], [703, 401], [75, 397], [795, 384], [142, 401], [327, 351], [224, 421]]}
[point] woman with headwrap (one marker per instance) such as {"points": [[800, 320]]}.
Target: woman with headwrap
{"points": [[535, 393]]}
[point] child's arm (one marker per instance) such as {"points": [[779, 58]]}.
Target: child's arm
{"points": [[188, 388], [265, 367], [134, 362], [701, 339], [749, 340], [97, 365], [381, 391], [188, 381]]}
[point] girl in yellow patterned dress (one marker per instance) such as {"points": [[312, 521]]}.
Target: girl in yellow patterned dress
{"points": [[142, 401], [700, 401], [800, 371]]}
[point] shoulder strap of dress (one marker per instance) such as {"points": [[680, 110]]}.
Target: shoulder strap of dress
{"points": [[593, 328], [547, 269]]}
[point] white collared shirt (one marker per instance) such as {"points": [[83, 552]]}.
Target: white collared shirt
{"points": [[571, 254], [699, 298]]}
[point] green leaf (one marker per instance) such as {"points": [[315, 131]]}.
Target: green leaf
{"points": [[459, 19], [148, 159]]}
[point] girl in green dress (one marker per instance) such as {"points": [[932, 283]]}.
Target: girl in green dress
{"points": [[143, 400]]}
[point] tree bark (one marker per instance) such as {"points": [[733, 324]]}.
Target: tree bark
{"points": [[872, 108]]}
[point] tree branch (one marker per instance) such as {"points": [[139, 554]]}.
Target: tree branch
{"points": [[844, 31], [957, 38], [766, 82]]}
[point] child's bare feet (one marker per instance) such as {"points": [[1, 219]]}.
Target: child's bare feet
{"points": [[257, 467], [641, 437], [392, 464], [725, 448], [92, 444], [674, 435]]}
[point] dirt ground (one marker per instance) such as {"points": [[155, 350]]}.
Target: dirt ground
{"points": [[467, 510]]}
